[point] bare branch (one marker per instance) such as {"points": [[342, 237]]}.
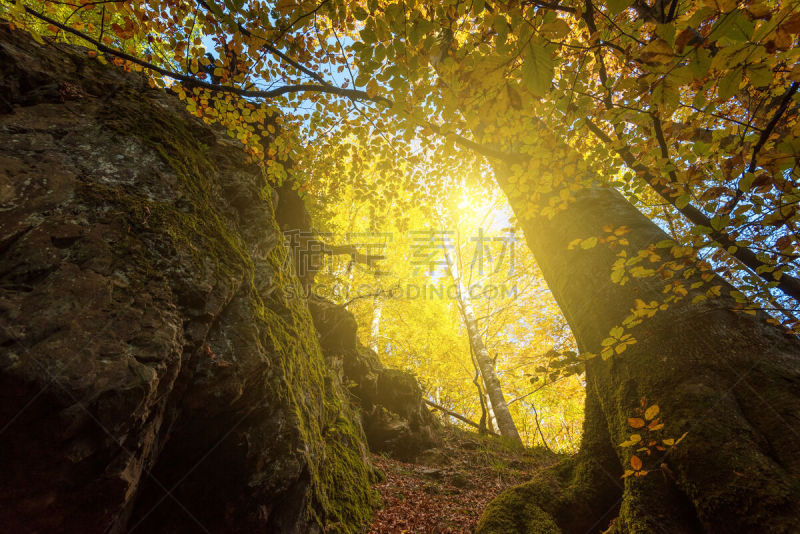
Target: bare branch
{"points": [[459, 417]]}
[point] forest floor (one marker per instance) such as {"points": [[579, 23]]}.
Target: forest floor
{"points": [[447, 489]]}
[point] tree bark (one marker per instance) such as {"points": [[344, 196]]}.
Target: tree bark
{"points": [[476, 379], [494, 390], [375, 326], [729, 379]]}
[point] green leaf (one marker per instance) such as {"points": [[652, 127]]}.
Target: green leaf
{"points": [[501, 27], [666, 95], [556, 29], [747, 181], [729, 84], [616, 6], [537, 70], [733, 26], [215, 9], [682, 201], [760, 75], [718, 222], [360, 13], [368, 35]]}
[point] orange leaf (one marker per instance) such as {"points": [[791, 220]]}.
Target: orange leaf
{"points": [[636, 422], [636, 462]]}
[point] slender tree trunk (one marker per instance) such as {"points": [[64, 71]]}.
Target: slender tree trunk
{"points": [[728, 379], [490, 413], [375, 327], [539, 427], [476, 379], [497, 407]]}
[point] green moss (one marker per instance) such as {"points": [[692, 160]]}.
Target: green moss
{"points": [[515, 510], [577, 494], [332, 441], [197, 225], [335, 452]]}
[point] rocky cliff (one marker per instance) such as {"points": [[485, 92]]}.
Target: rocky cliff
{"points": [[158, 372]]}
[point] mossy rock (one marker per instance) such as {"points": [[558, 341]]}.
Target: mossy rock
{"points": [[514, 511]]}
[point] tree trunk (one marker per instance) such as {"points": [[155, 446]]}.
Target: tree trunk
{"points": [[497, 407], [476, 379], [375, 327], [490, 413], [727, 378]]}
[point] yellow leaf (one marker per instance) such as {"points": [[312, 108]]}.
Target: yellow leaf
{"points": [[657, 51], [794, 75], [633, 440], [589, 243], [669, 441], [651, 412], [372, 88], [758, 10]]}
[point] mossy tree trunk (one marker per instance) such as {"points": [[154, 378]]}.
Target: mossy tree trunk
{"points": [[729, 379]]}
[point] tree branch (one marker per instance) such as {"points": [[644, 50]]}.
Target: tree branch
{"points": [[550, 5], [766, 132], [324, 87], [458, 416], [463, 141], [787, 283], [191, 81], [267, 46], [762, 139]]}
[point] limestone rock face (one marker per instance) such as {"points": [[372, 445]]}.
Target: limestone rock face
{"points": [[158, 370], [393, 414]]}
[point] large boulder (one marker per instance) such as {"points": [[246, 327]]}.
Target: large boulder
{"points": [[393, 411], [159, 368]]}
